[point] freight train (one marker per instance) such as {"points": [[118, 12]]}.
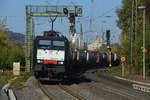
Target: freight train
{"points": [[53, 59]]}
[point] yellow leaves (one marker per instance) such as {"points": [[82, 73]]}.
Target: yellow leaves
{"points": [[3, 40]]}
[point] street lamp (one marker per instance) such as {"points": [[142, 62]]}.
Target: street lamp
{"points": [[144, 17]]}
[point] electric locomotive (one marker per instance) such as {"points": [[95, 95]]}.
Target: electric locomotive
{"points": [[50, 56]]}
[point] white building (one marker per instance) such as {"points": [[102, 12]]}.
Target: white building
{"points": [[96, 44]]}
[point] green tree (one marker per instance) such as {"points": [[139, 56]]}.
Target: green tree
{"points": [[3, 35], [17, 55], [9, 51], [125, 24]]}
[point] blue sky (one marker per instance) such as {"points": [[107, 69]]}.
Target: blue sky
{"points": [[94, 9]]}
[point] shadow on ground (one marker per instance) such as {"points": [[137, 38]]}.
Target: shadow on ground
{"points": [[76, 77], [75, 80]]}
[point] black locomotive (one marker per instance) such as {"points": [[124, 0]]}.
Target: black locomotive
{"points": [[50, 55]]}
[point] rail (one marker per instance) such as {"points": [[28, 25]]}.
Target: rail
{"points": [[71, 93], [44, 90]]}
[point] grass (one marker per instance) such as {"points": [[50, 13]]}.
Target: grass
{"points": [[112, 71], [108, 73], [116, 71], [4, 77], [19, 82], [8, 77]]}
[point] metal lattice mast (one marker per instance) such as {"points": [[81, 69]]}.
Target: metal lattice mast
{"points": [[33, 27], [28, 39], [47, 11], [32, 38], [81, 37]]}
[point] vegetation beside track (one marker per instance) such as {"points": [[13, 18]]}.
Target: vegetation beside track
{"points": [[130, 21], [9, 51], [4, 77], [109, 73], [112, 71], [16, 84], [20, 81]]}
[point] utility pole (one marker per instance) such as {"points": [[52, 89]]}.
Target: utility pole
{"points": [[136, 21], [144, 22], [136, 32], [81, 37], [132, 32], [144, 42]]}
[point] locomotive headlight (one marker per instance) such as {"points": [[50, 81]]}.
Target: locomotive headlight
{"points": [[39, 61], [61, 62]]}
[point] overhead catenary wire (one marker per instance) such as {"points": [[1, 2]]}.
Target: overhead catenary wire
{"points": [[53, 20]]}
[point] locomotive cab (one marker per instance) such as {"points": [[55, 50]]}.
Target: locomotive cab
{"points": [[50, 56]]}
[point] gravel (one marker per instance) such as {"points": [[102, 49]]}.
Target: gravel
{"points": [[31, 92], [98, 88]]}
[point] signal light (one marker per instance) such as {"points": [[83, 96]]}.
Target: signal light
{"points": [[65, 10], [39, 61], [144, 50], [80, 10]]}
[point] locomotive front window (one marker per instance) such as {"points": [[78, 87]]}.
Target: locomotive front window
{"points": [[44, 42], [58, 43]]}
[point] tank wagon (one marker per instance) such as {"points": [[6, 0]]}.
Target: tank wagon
{"points": [[92, 59]]}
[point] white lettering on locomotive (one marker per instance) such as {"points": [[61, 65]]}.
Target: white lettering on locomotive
{"points": [[58, 55]]}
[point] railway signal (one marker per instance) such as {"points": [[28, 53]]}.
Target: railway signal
{"points": [[108, 38], [108, 46], [123, 59], [144, 50]]}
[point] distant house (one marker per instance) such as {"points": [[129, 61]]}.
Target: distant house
{"points": [[96, 44]]}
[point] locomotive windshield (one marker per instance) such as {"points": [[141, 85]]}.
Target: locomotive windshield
{"points": [[51, 44], [44, 44], [59, 45]]}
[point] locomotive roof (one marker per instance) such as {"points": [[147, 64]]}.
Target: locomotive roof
{"points": [[61, 38]]}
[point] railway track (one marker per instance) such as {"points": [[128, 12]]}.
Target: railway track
{"points": [[59, 92], [44, 90], [119, 88], [78, 97], [93, 90]]}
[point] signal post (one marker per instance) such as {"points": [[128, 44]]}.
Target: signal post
{"points": [[108, 47], [123, 59]]}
